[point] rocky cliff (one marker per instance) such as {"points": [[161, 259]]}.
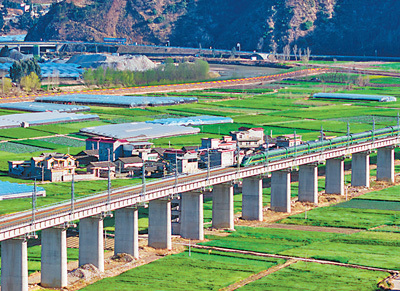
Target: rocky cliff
{"points": [[351, 27]]}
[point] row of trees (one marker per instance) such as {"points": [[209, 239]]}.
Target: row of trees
{"points": [[168, 73]]}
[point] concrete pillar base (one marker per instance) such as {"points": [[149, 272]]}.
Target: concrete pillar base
{"points": [[54, 258], [385, 165], [160, 224], [126, 232], [280, 191], [222, 208], [334, 180], [252, 204], [192, 216], [360, 169], [91, 242], [14, 265], [308, 183]]}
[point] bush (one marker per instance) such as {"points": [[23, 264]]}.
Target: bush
{"points": [[306, 25], [6, 85], [30, 83]]}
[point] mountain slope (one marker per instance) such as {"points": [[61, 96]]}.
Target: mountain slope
{"points": [[351, 27]]}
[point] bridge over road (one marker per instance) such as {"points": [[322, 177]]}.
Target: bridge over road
{"points": [[53, 220]]}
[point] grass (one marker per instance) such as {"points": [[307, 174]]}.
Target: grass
{"points": [[312, 276], [388, 194], [268, 240], [367, 248], [370, 204], [345, 217], [20, 132], [200, 271]]}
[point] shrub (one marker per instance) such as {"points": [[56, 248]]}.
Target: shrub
{"points": [[306, 25], [30, 83]]}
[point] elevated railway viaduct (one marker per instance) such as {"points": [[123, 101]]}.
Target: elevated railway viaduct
{"points": [[53, 220]]}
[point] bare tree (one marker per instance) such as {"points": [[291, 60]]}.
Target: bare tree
{"points": [[306, 56], [300, 52], [308, 52], [295, 51], [286, 52]]}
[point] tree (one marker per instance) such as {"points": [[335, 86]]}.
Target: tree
{"points": [[5, 85], [23, 68], [286, 52], [295, 51]]}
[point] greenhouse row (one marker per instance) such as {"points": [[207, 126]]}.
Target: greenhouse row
{"points": [[61, 70], [137, 131], [344, 96], [10, 190], [114, 100], [43, 107], [27, 119], [193, 120]]}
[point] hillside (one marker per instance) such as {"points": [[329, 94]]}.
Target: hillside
{"points": [[351, 27]]}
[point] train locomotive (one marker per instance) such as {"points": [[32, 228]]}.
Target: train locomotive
{"points": [[318, 145]]}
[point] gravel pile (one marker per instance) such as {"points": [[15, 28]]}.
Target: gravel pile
{"points": [[85, 272], [122, 63]]}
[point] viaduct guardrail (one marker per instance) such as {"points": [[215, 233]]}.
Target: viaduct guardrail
{"points": [[20, 224]]}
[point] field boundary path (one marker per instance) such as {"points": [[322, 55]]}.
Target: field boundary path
{"points": [[258, 276], [308, 260]]}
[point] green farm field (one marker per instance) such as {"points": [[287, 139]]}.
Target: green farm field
{"points": [[201, 271], [312, 276]]}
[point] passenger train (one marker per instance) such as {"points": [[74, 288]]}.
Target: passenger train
{"points": [[319, 145]]}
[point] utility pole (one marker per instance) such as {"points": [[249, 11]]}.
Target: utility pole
{"points": [[238, 155], [208, 163], [373, 128], [295, 144], [322, 134], [109, 185], [72, 193], [176, 168], [143, 178], [348, 133], [34, 203]]}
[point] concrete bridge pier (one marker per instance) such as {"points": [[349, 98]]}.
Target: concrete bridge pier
{"points": [[192, 216], [222, 207], [385, 165], [308, 183], [54, 258], [334, 176], [360, 169], [252, 204], [160, 224], [280, 191], [91, 242], [126, 231], [14, 265]]}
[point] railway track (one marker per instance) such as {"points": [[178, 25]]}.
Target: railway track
{"points": [[9, 221]]}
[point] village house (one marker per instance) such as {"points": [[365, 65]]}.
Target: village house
{"points": [[288, 140], [125, 164], [248, 137], [87, 156], [187, 160], [54, 167], [101, 169], [109, 148]]}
